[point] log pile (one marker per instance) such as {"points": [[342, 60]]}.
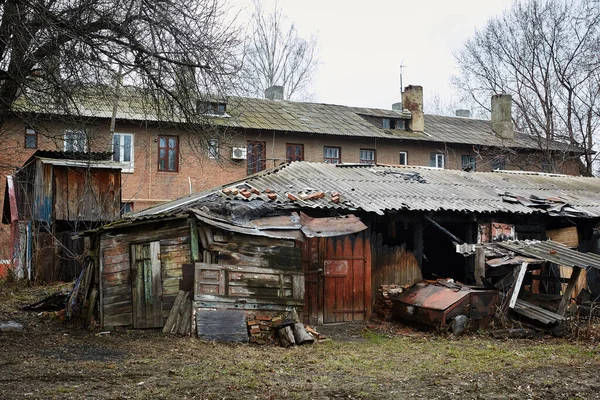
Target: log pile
{"points": [[260, 328], [265, 329], [384, 301]]}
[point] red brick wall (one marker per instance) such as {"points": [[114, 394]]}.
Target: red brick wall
{"points": [[146, 186]]}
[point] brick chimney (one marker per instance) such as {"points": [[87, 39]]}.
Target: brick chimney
{"points": [[463, 113], [502, 124], [412, 100], [274, 93]]}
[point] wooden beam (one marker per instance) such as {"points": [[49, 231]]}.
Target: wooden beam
{"points": [[518, 283], [479, 266], [454, 239], [566, 299], [194, 241]]}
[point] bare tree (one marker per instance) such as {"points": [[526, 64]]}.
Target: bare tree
{"points": [[545, 54], [55, 54], [275, 54]]}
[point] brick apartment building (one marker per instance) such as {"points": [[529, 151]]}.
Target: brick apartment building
{"points": [[163, 162]]}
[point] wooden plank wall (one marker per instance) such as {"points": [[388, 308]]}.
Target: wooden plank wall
{"points": [[87, 194], [221, 286], [393, 265], [257, 251], [116, 298]]}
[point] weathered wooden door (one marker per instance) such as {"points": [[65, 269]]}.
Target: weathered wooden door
{"points": [[337, 279], [146, 285]]}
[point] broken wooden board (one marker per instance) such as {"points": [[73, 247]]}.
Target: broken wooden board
{"points": [[222, 325], [567, 236]]}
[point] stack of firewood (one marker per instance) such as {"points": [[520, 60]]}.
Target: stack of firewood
{"points": [[265, 329], [260, 328], [384, 301]]}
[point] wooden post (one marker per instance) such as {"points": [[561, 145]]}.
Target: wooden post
{"points": [[194, 239], [566, 299], [479, 265], [517, 287]]}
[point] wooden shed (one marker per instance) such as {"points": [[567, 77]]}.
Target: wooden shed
{"points": [[260, 266], [52, 198]]}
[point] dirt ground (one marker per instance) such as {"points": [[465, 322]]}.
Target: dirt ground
{"points": [[49, 359]]}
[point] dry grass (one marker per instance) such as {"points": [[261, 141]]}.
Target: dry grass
{"points": [[50, 360]]}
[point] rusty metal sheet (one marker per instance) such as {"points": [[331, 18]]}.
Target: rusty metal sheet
{"points": [[432, 296], [331, 226], [435, 304]]}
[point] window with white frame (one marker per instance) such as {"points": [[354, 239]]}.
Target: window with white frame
{"points": [[367, 156], [332, 155], [76, 140], [213, 148], [123, 150], [436, 160], [403, 158]]}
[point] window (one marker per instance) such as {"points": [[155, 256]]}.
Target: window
{"points": [[498, 163], [31, 138], [331, 155], [436, 160], [123, 150], [388, 123], [403, 158], [168, 153], [76, 141], [213, 148], [256, 157], [468, 163], [294, 152], [214, 108], [367, 156], [126, 208]]}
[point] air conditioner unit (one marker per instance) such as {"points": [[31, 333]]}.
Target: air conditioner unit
{"points": [[238, 153]]}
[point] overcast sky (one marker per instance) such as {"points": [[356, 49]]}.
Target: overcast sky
{"points": [[363, 43]]}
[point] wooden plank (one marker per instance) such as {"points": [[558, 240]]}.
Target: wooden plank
{"points": [[116, 290], [298, 287], [222, 325], [117, 320], [244, 269], [116, 279], [566, 299], [358, 284], [346, 284], [479, 266], [137, 287], [113, 268], [157, 320], [517, 287], [368, 274], [185, 321], [181, 295]]}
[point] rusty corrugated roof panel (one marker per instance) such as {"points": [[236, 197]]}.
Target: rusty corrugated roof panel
{"points": [[554, 252]]}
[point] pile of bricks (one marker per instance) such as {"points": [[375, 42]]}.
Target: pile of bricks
{"points": [[384, 301], [261, 328]]}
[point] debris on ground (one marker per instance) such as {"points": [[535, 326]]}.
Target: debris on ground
{"points": [[54, 302], [10, 326]]}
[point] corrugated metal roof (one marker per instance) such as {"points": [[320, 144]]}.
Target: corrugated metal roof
{"points": [[553, 252], [300, 117], [379, 189]]}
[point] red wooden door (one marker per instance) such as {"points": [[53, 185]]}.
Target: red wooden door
{"points": [[337, 279]]}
